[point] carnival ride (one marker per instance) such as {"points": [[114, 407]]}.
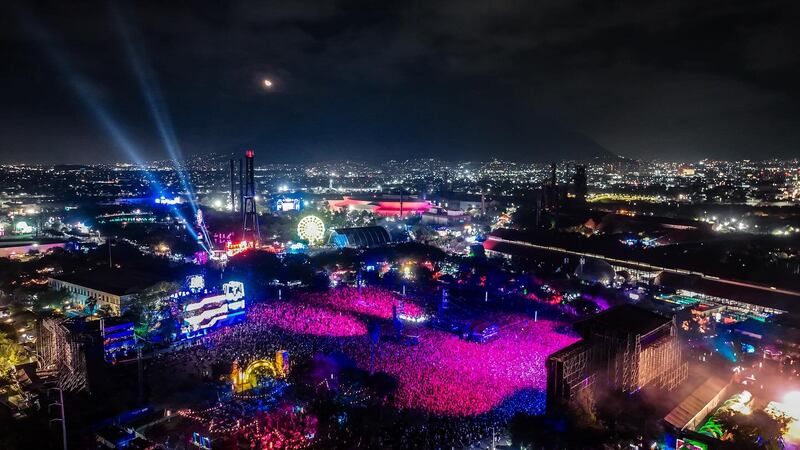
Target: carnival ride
{"points": [[311, 228]]}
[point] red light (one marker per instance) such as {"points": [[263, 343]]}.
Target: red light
{"points": [[250, 153]]}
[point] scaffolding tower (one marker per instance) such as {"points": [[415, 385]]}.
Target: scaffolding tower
{"points": [[250, 229], [63, 351], [615, 354]]}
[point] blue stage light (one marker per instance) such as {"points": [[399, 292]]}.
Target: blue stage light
{"points": [[82, 88], [155, 101], [151, 91]]}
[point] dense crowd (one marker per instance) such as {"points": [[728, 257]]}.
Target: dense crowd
{"points": [[369, 301], [463, 388], [445, 374], [306, 319], [244, 424], [283, 428]]}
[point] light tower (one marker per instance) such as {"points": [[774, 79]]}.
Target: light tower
{"points": [[233, 186], [250, 218], [580, 180]]}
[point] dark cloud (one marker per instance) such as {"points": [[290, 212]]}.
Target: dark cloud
{"points": [[472, 79]]}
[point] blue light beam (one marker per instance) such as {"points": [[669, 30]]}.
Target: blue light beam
{"points": [[151, 91], [83, 91]]}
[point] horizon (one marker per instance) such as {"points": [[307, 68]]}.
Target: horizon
{"points": [[259, 163]]}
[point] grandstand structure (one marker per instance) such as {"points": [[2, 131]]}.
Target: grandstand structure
{"points": [[67, 352], [624, 348]]}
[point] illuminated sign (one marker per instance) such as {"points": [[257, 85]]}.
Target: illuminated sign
{"points": [[118, 340], [234, 249], [168, 201], [195, 283], [288, 204], [223, 238], [234, 290]]}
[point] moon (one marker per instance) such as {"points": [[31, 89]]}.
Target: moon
{"points": [[267, 83]]}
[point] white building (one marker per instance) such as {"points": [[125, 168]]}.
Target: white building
{"points": [[109, 289]]}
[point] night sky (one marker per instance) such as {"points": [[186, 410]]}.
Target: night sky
{"points": [[526, 80]]}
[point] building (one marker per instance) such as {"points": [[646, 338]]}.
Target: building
{"points": [[465, 202], [595, 272], [286, 202], [742, 296], [445, 217], [359, 237], [691, 412], [383, 205], [109, 289], [749, 298], [778, 335], [624, 348], [137, 217], [579, 180]]}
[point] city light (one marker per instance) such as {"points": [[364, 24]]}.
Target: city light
{"points": [[441, 244]]}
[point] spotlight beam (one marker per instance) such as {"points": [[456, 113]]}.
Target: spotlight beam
{"points": [[151, 91], [82, 88], [149, 87]]}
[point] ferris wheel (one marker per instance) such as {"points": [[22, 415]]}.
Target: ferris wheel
{"points": [[311, 228]]}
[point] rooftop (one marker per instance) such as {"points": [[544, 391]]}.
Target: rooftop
{"points": [[112, 281], [744, 292], [696, 405], [627, 319]]}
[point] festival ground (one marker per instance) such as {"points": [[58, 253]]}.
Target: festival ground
{"points": [[455, 390]]}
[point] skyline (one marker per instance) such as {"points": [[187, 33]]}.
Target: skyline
{"points": [[465, 82], [164, 163]]}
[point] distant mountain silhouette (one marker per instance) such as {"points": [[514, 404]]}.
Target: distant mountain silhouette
{"points": [[541, 141], [383, 127]]}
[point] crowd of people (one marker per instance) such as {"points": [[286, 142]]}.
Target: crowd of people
{"points": [[284, 428], [464, 388], [447, 375], [369, 301], [243, 424], [306, 319]]}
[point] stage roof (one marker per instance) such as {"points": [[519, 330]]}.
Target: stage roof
{"points": [[627, 319]]}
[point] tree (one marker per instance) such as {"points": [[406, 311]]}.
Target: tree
{"points": [[423, 233], [50, 299], [151, 306], [11, 354], [757, 430]]}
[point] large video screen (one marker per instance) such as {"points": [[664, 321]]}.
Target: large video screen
{"points": [[207, 313]]}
